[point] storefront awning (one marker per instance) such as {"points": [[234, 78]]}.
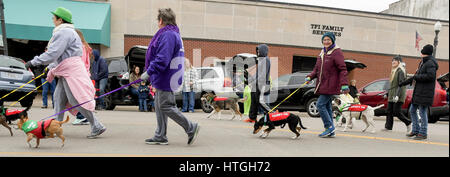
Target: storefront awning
{"points": [[32, 20]]}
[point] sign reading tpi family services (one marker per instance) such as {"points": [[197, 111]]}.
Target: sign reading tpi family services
{"points": [[318, 29]]}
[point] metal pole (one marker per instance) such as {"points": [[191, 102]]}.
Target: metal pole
{"points": [[2, 19], [435, 43]]}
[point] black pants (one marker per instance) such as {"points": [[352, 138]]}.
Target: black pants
{"points": [[395, 109]]}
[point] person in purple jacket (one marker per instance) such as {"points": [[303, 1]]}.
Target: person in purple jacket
{"points": [[164, 69], [331, 73]]}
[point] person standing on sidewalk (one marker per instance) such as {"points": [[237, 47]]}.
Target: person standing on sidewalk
{"points": [[397, 96], [74, 85], [424, 81], [331, 73], [165, 55], [100, 75], [190, 76], [45, 87]]}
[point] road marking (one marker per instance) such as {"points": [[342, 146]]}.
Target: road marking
{"points": [[366, 137], [86, 154]]}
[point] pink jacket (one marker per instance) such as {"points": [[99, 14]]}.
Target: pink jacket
{"points": [[74, 71]]}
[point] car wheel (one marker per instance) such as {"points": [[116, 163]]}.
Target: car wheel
{"points": [[206, 107], [311, 108]]}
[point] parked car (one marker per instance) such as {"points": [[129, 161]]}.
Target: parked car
{"points": [[375, 93], [303, 100], [119, 75], [13, 75]]}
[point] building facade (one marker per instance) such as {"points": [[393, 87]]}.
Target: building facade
{"points": [[223, 28]]}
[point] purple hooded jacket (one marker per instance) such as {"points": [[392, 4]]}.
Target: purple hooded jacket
{"points": [[164, 61]]}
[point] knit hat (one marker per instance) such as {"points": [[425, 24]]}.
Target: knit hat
{"points": [[330, 35], [398, 58], [427, 50]]}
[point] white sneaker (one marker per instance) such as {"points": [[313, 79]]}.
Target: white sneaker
{"points": [[79, 122]]}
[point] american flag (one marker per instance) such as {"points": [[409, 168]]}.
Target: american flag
{"points": [[418, 38]]}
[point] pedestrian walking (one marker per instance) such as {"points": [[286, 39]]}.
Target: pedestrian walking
{"points": [[424, 81], [86, 58], [331, 73], [190, 77], [165, 55], [260, 83], [74, 85], [100, 75], [396, 96]]}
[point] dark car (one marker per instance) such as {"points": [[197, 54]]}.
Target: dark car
{"points": [[119, 72], [13, 75], [304, 99], [374, 94]]}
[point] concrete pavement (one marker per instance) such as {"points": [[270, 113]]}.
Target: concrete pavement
{"points": [[127, 130]]}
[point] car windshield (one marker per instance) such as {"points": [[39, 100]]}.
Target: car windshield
{"points": [[283, 80], [11, 62]]}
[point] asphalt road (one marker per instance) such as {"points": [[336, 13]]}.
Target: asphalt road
{"points": [[127, 129]]}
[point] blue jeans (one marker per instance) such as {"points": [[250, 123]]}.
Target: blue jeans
{"points": [[143, 104], [188, 100], [47, 86], [101, 85], [325, 111], [419, 126]]}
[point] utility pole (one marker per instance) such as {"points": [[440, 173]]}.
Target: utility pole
{"points": [[2, 19]]}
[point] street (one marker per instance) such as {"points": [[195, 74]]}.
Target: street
{"points": [[127, 129]]}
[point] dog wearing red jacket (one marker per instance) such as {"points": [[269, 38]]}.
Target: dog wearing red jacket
{"points": [[279, 119], [8, 115]]}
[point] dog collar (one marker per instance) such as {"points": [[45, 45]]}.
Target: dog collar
{"points": [[29, 125]]}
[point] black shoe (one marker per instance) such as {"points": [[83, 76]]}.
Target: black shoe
{"points": [[44, 107], [151, 141], [411, 134], [420, 137], [194, 136]]}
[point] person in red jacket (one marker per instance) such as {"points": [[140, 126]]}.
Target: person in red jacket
{"points": [[331, 73]]}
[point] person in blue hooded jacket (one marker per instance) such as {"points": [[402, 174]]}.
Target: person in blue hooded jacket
{"points": [[100, 75]]}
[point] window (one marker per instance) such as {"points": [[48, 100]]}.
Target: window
{"points": [[376, 86], [301, 63], [11, 63], [296, 80], [209, 74], [282, 80]]}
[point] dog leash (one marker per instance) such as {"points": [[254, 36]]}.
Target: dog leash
{"points": [[288, 96], [25, 84], [68, 109], [28, 94]]}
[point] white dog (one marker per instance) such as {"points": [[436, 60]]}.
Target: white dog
{"points": [[352, 111]]}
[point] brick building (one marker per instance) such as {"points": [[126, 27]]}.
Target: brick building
{"points": [[223, 28]]}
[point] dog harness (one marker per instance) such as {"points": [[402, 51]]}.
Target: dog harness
{"points": [[220, 98], [36, 128], [278, 116], [353, 108], [8, 112]]}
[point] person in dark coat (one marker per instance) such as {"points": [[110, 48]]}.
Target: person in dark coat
{"points": [[100, 74], [424, 84], [261, 83], [331, 73]]}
